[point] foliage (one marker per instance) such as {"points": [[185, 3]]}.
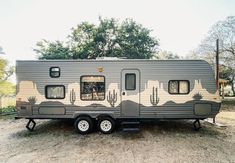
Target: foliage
{"points": [[225, 32], [5, 70], [164, 55], [109, 38], [52, 50], [6, 88], [8, 109]]}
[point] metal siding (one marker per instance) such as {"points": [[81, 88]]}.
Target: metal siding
{"points": [[158, 70]]}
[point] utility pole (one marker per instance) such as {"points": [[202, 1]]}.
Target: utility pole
{"points": [[217, 63], [217, 68]]}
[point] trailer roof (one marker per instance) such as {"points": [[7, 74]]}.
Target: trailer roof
{"points": [[113, 60]]}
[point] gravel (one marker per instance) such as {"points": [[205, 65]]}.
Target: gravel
{"points": [[161, 141]]}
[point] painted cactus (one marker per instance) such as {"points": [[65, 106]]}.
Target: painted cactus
{"points": [[154, 99], [72, 96], [112, 98], [32, 100], [197, 96]]}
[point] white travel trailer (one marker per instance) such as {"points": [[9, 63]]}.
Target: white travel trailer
{"points": [[111, 91]]}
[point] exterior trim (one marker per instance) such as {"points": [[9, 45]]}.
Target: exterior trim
{"points": [[81, 87], [50, 71], [54, 86], [134, 81], [179, 87]]}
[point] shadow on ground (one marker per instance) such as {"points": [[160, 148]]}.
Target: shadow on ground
{"points": [[182, 128]]}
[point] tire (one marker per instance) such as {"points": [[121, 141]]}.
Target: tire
{"points": [[106, 125], [83, 125]]}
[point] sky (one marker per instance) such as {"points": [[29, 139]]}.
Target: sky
{"points": [[180, 25]]}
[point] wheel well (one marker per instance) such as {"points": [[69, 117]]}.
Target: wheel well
{"points": [[104, 115], [83, 115]]}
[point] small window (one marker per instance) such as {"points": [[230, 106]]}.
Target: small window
{"points": [[178, 87], [54, 72], [93, 88], [130, 81], [55, 92], [184, 87]]}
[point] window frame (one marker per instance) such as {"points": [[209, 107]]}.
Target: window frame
{"points": [[134, 81], [46, 95], [81, 87], [50, 71], [178, 91]]}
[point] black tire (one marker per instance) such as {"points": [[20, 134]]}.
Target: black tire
{"points": [[103, 125], [82, 122]]}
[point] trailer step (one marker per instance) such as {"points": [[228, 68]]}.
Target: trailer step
{"points": [[131, 129], [130, 126], [130, 123]]}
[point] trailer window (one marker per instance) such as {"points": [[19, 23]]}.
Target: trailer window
{"points": [[54, 72], [92, 88], [178, 87], [130, 81], [55, 92]]}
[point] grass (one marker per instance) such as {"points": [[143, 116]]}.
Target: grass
{"points": [[228, 102], [7, 109]]}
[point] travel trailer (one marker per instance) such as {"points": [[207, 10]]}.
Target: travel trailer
{"points": [[106, 92]]}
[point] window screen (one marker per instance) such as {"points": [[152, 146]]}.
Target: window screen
{"points": [[178, 87], [173, 87], [54, 72], [184, 87], [92, 88], [55, 92], [130, 81]]}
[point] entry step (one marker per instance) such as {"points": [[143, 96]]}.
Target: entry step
{"points": [[130, 123], [131, 129], [130, 126]]}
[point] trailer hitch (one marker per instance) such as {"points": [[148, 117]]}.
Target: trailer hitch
{"points": [[197, 125], [31, 125]]}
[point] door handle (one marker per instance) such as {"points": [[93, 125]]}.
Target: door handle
{"points": [[123, 93]]}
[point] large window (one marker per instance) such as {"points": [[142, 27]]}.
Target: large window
{"points": [[130, 81], [54, 72], [55, 92], [92, 88], [178, 87]]}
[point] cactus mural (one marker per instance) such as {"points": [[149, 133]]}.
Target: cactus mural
{"points": [[112, 98], [72, 96], [32, 100], [154, 99], [197, 96]]}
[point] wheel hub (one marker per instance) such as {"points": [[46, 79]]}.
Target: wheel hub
{"points": [[106, 125], [83, 125]]}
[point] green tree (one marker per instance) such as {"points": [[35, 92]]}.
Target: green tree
{"points": [[166, 55], [5, 72], [52, 50], [107, 39], [6, 88], [225, 32]]}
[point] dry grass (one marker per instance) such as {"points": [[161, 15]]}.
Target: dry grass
{"points": [[161, 141]]}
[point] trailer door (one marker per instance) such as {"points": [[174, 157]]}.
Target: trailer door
{"points": [[130, 92]]}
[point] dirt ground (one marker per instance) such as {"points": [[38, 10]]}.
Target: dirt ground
{"points": [[162, 141]]}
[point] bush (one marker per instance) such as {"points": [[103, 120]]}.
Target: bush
{"points": [[7, 109]]}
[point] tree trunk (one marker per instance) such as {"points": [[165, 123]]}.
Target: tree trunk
{"points": [[233, 89]]}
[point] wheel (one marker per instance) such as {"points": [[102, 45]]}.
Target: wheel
{"points": [[106, 125], [83, 125]]}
